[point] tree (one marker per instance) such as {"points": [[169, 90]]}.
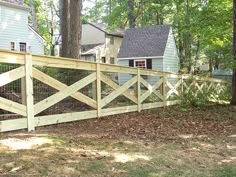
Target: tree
{"points": [[64, 28], [131, 15], [71, 28], [233, 101], [75, 28]]}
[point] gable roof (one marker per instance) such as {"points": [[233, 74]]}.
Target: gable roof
{"points": [[147, 41], [102, 27], [14, 4]]}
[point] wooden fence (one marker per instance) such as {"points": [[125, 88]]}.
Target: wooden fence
{"points": [[167, 89]]}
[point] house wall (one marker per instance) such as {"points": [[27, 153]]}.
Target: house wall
{"points": [[88, 58], [157, 64], [91, 35], [171, 59], [110, 50], [14, 28]]}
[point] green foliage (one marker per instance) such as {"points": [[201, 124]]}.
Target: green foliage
{"points": [[203, 29], [198, 96]]}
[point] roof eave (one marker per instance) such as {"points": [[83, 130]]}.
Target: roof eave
{"points": [[147, 57], [8, 4]]}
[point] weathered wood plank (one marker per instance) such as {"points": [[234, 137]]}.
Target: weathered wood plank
{"points": [[113, 85], [15, 124], [12, 106], [57, 97], [60, 86], [118, 92], [62, 118], [12, 75]]}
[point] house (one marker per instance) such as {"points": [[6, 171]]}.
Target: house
{"points": [[151, 47], [224, 74], [100, 45], [15, 33]]}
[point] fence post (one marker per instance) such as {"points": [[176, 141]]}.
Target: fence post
{"points": [[139, 90], [29, 92], [99, 94], [182, 87], [164, 90]]}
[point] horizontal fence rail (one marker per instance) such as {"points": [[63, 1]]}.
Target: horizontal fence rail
{"points": [[42, 90]]}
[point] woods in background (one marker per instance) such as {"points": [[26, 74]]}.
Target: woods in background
{"points": [[202, 28]]}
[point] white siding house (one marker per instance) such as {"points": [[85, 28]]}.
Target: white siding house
{"points": [[151, 47], [99, 45], [15, 33]]}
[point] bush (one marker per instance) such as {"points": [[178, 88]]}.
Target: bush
{"points": [[198, 96]]}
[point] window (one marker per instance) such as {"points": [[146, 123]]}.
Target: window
{"points": [[112, 60], [112, 40], [140, 63], [12, 45], [22, 47], [103, 59]]}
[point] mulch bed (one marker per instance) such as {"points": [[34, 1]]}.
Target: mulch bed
{"points": [[155, 125]]}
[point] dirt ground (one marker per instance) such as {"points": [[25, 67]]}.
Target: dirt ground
{"points": [[175, 141]]}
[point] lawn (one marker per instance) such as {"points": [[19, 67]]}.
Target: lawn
{"points": [[168, 142]]}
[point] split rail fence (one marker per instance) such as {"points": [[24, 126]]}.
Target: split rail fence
{"points": [[43, 82]]}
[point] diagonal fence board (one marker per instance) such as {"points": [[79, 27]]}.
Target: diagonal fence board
{"points": [[57, 97], [151, 89], [115, 86], [149, 86], [119, 91], [60, 86], [12, 75], [194, 85], [173, 89], [12, 106]]}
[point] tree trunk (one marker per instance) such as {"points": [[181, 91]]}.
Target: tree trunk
{"points": [[233, 100], [34, 18], [131, 16], [75, 28], [65, 28], [187, 39]]}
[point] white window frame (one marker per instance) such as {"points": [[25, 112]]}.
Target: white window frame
{"points": [[25, 46], [138, 61]]}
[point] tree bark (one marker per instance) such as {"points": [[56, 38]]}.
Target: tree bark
{"points": [[34, 18], [233, 100], [75, 28], [65, 28], [131, 16]]}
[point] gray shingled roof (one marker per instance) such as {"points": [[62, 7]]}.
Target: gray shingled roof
{"points": [[144, 42]]}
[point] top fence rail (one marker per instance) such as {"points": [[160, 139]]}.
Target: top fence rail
{"points": [[13, 57]]}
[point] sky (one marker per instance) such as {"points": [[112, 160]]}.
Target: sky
{"points": [[88, 3]]}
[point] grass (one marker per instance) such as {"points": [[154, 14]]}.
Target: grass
{"points": [[119, 158]]}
